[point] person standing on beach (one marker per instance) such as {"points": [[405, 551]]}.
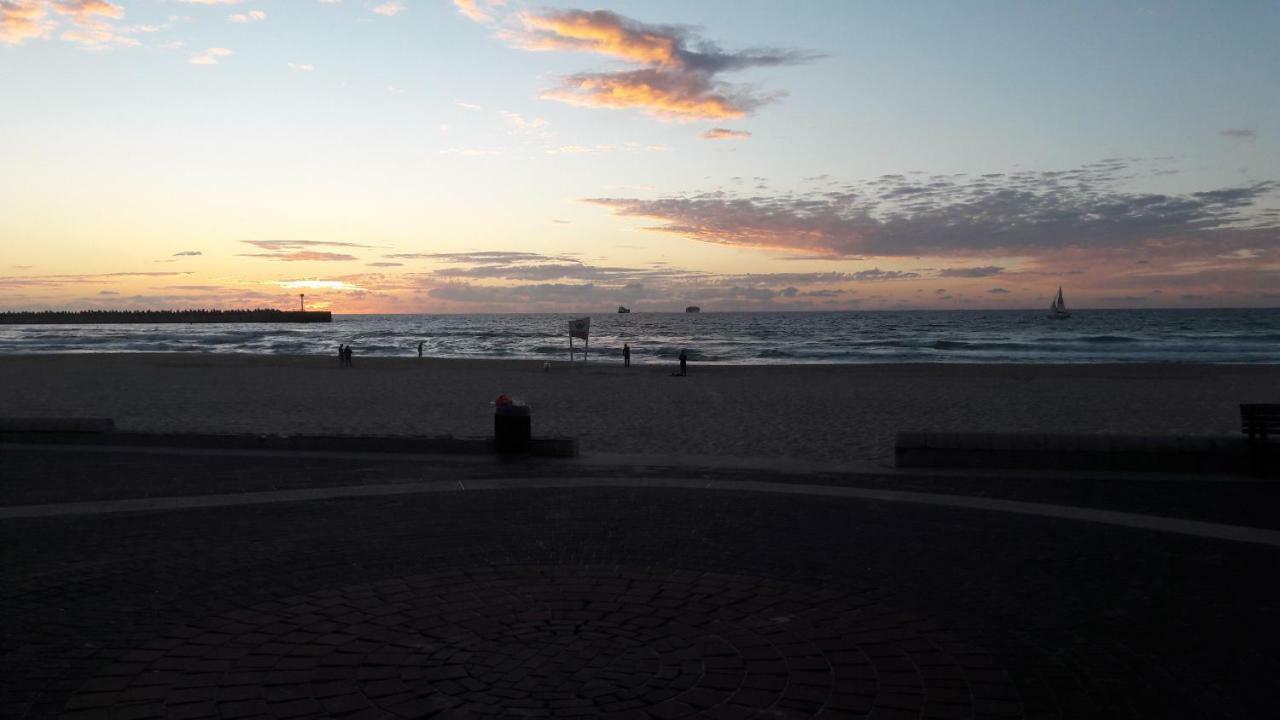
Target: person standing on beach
{"points": [[342, 355], [684, 361], [419, 348], [626, 355], [348, 356]]}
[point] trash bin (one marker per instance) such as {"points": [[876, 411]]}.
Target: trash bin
{"points": [[512, 425]]}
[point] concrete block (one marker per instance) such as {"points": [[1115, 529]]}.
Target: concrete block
{"points": [[974, 441], [1001, 441], [909, 456], [553, 447], [1029, 442], [911, 439]]}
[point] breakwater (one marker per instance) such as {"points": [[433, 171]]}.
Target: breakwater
{"points": [[96, 317]]}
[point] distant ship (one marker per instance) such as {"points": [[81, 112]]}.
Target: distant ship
{"points": [[693, 308], [1058, 308], [622, 310]]}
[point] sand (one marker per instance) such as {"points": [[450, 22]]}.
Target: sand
{"points": [[833, 414]]}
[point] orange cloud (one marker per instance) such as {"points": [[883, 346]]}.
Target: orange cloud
{"points": [[678, 83], [666, 95], [22, 20], [601, 32], [85, 10], [471, 9]]}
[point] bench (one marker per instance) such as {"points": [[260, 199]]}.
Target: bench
{"points": [[1261, 423]]}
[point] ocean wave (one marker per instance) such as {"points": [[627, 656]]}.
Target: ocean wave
{"points": [[1250, 336]]}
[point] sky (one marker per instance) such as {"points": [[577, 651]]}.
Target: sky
{"points": [[441, 156]]}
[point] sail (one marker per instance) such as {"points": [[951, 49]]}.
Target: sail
{"points": [[1058, 307]]}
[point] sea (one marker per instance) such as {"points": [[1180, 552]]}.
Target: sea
{"points": [[958, 336]]}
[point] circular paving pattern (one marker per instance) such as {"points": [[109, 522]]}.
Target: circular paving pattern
{"points": [[553, 642]]}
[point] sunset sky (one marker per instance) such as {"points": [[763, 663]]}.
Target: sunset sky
{"points": [[477, 155]]}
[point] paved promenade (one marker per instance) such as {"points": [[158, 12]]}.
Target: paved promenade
{"points": [[405, 588]]}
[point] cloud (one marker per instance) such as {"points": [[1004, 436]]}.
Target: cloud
{"points": [[480, 257], [301, 67], [251, 16], [1237, 134], [294, 244], [60, 280], [90, 26], [1024, 213], [998, 291], [725, 134], [394, 7], [971, 272], [874, 274], [554, 271], [384, 264], [471, 9], [298, 250], [84, 11], [664, 95], [303, 255], [211, 2], [187, 253], [678, 80], [22, 20], [519, 123], [209, 56], [665, 47], [314, 284], [500, 281]]}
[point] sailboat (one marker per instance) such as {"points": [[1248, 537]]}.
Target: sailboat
{"points": [[1058, 308]]}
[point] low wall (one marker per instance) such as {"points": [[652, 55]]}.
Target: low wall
{"points": [[101, 432], [1121, 453]]}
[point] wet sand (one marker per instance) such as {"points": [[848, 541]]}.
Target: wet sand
{"points": [[844, 414]]}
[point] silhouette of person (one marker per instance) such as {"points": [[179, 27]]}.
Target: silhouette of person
{"points": [[684, 360], [626, 355], [342, 355], [419, 349], [348, 356]]}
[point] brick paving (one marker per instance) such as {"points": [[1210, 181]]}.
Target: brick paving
{"points": [[629, 603]]}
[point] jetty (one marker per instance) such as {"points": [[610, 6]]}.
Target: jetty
{"points": [[97, 317]]}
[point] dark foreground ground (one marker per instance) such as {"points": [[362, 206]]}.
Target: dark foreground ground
{"points": [[644, 602]]}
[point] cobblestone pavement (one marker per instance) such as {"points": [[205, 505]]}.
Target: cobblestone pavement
{"points": [[626, 602]]}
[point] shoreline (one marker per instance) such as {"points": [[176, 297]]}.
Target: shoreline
{"points": [[828, 413], [640, 363]]}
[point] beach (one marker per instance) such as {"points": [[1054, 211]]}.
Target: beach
{"points": [[831, 414]]}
